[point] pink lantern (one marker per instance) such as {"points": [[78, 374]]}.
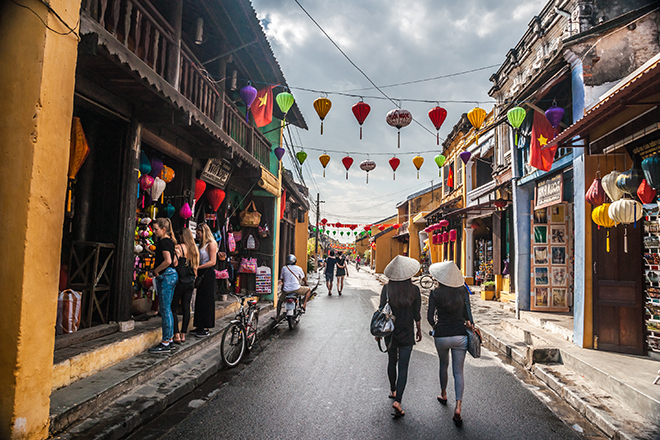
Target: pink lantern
{"points": [[146, 181], [185, 212], [452, 235], [445, 237], [443, 223]]}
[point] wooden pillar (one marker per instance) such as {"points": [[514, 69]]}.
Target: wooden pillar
{"points": [[497, 243], [174, 62]]}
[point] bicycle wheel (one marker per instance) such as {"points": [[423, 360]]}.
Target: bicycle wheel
{"points": [[252, 330], [426, 282], [233, 345]]}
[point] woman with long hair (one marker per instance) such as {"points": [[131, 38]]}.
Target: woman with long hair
{"points": [[205, 299], [406, 303], [188, 261], [450, 302], [342, 271], [166, 278]]}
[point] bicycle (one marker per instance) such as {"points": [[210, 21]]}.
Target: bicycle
{"points": [[426, 281], [241, 333]]}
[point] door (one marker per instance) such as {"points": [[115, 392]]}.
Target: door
{"points": [[618, 290]]}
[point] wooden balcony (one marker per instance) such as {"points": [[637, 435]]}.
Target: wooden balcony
{"points": [[140, 28]]}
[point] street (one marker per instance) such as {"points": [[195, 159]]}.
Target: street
{"points": [[327, 379]]}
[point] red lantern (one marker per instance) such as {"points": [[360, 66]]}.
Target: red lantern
{"points": [[443, 223], [596, 195], [367, 227], [475, 224], [396, 226], [347, 161], [394, 163], [200, 187], [438, 116], [381, 227], [215, 196], [452, 235], [645, 193], [361, 111], [500, 203], [352, 227], [324, 221], [445, 237]]}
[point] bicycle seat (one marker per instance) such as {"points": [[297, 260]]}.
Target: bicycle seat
{"points": [[252, 302]]}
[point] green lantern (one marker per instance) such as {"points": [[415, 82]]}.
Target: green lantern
{"points": [[334, 232], [354, 232], [284, 101], [516, 116], [440, 161], [341, 233], [301, 156]]}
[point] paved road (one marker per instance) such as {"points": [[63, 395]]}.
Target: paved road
{"points": [[327, 380]]}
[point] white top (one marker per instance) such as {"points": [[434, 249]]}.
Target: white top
{"points": [[291, 275], [204, 255]]}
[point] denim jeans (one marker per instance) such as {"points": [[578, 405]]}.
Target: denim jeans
{"points": [[165, 284]]}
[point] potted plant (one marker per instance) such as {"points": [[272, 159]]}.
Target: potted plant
{"points": [[488, 290]]}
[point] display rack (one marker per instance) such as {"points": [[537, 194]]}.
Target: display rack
{"points": [[652, 278], [485, 260]]}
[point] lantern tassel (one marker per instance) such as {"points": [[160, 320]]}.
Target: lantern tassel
{"points": [[625, 241], [394, 175], [162, 198], [321, 127], [360, 132], [398, 140], [608, 241], [418, 174], [635, 215], [346, 174], [323, 172], [438, 138], [367, 177], [247, 116]]}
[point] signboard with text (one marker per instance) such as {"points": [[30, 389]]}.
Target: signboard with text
{"points": [[549, 191], [216, 172]]}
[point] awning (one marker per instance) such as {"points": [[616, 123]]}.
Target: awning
{"points": [[442, 207]]}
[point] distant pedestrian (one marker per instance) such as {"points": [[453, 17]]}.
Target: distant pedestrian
{"points": [[188, 260], [342, 271], [406, 303], [205, 298], [451, 303], [166, 278], [329, 265]]}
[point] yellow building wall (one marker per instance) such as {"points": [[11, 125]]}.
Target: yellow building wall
{"points": [[386, 249], [37, 68], [301, 236]]}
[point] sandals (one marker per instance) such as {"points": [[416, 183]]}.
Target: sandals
{"points": [[442, 401], [392, 395], [458, 420], [397, 413]]}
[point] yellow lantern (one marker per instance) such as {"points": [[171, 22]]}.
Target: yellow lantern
{"points": [[79, 149], [418, 161], [324, 159], [166, 174], [600, 215], [322, 107], [477, 116]]}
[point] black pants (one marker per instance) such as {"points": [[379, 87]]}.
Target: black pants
{"points": [[400, 355], [205, 300], [183, 295]]}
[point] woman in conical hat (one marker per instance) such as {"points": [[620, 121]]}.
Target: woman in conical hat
{"points": [[406, 303], [451, 301]]}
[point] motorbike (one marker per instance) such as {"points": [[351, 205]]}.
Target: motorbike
{"points": [[293, 308]]}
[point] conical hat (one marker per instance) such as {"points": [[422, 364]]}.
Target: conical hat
{"points": [[401, 268], [447, 273]]}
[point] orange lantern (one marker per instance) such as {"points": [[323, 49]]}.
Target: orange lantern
{"points": [[322, 107], [324, 159], [78, 154]]}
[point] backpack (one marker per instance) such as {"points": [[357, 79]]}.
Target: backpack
{"points": [[184, 271]]}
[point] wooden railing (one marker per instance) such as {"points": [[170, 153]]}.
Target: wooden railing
{"points": [[246, 136], [197, 87]]}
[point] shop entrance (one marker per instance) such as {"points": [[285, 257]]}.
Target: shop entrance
{"points": [[618, 302]]}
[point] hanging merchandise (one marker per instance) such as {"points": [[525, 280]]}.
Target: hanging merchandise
{"points": [[248, 265], [626, 211], [157, 189], [645, 193], [437, 116], [554, 115], [651, 168], [200, 187], [146, 181], [322, 107], [284, 101], [248, 95], [153, 211], [79, 150], [231, 242], [418, 161], [394, 164], [367, 165], [453, 235], [399, 118], [169, 210], [516, 117], [185, 212], [596, 195], [166, 174], [145, 164], [609, 185], [324, 159], [250, 217], [361, 111], [215, 196], [347, 161], [439, 161], [477, 116], [156, 166], [251, 242], [279, 153], [301, 156], [465, 156], [630, 180]]}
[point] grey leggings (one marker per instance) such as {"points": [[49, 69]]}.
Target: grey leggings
{"points": [[458, 346]]}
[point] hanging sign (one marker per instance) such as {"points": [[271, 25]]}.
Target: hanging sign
{"points": [[193, 228], [550, 191], [216, 172]]}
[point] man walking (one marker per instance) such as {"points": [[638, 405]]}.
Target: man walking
{"points": [[329, 265]]}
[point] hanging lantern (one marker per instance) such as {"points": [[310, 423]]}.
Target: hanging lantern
{"points": [[452, 235], [399, 118], [465, 156], [418, 161], [477, 116], [645, 193], [145, 164], [394, 164], [381, 227], [475, 224], [554, 115], [596, 195], [157, 188], [437, 116], [301, 156], [284, 101], [146, 181], [79, 150], [500, 203], [516, 117], [169, 210], [443, 223], [248, 95], [609, 185], [279, 153], [440, 161], [153, 211], [322, 107], [324, 159], [200, 187], [185, 212], [215, 196], [167, 174], [630, 180], [361, 111], [445, 237], [626, 211], [347, 161], [156, 166], [651, 168], [367, 165], [341, 233], [324, 221], [334, 232], [600, 215]]}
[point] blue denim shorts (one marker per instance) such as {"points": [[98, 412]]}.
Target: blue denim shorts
{"points": [[328, 277]]}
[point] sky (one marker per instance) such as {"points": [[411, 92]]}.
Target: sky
{"points": [[392, 42]]}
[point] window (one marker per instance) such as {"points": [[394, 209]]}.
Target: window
{"points": [[458, 172], [445, 180]]}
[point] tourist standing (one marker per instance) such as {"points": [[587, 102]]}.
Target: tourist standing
{"points": [[205, 298]]}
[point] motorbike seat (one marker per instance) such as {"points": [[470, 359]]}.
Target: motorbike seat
{"points": [[252, 302]]}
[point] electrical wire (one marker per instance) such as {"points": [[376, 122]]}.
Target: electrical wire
{"points": [[361, 153], [52, 11]]}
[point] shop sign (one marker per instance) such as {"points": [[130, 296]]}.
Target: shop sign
{"points": [[550, 191], [193, 228], [216, 172]]}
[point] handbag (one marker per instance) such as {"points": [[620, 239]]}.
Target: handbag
{"points": [[221, 274], [231, 242], [248, 265], [264, 232], [474, 342], [250, 217], [382, 322], [251, 242], [185, 272]]}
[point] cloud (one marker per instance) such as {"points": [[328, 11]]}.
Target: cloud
{"points": [[391, 42]]}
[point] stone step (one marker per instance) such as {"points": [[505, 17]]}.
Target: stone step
{"points": [[86, 396]]}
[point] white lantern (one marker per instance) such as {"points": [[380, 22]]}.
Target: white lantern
{"points": [[626, 211], [609, 185], [157, 188]]}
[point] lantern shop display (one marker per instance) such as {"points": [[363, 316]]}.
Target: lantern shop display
{"points": [[167, 174], [600, 215], [322, 107], [324, 159], [144, 248], [399, 118], [610, 187], [394, 164], [156, 166], [645, 193], [157, 189], [361, 111], [626, 211], [145, 164], [367, 165], [596, 195]]}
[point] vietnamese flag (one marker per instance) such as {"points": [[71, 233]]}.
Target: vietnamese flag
{"points": [[541, 156], [450, 178], [262, 107]]}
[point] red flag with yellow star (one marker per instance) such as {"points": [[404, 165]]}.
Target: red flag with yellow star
{"points": [[262, 107], [541, 156]]}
